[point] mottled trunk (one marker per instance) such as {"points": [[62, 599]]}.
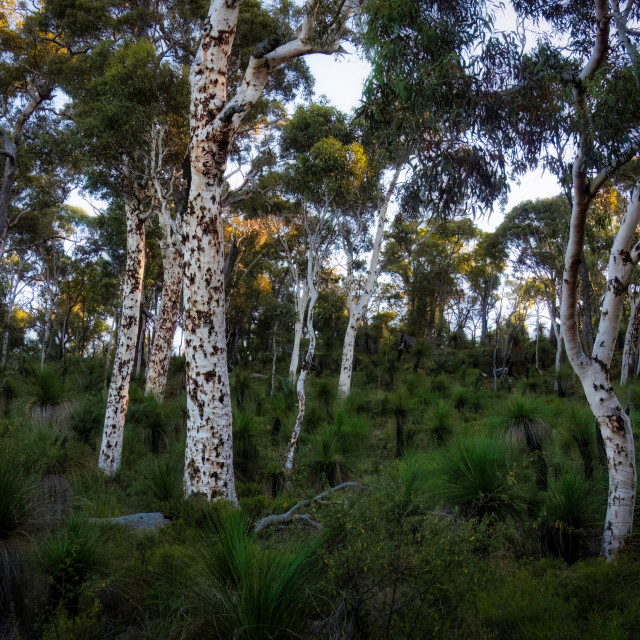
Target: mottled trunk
{"points": [[142, 330], [118, 398], [214, 121], [304, 370], [166, 322], [346, 368], [630, 339], [594, 371], [302, 298], [209, 449], [114, 329]]}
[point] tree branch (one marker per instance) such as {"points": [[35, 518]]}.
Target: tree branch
{"points": [[290, 515]]}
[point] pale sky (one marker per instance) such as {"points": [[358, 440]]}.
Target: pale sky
{"points": [[341, 79]]}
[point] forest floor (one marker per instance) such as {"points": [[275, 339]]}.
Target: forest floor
{"points": [[482, 522]]}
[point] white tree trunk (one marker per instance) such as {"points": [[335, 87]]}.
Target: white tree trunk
{"points": [[300, 387], [357, 309], [118, 398], [594, 371], [214, 121], [631, 338], [166, 321], [301, 301]]}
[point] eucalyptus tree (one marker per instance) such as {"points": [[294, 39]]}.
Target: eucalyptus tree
{"points": [[427, 261], [535, 235], [27, 84], [585, 88], [216, 119], [121, 91], [483, 275]]}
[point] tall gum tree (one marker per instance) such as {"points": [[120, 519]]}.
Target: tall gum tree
{"points": [[594, 369], [357, 305], [215, 120], [166, 319], [118, 397]]}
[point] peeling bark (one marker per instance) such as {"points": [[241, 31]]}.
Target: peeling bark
{"points": [[118, 398], [214, 122], [167, 317], [313, 271]]}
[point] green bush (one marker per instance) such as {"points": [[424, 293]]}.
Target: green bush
{"points": [[473, 475], [572, 513], [441, 421], [525, 419], [326, 459], [164, 482], [242, 589], [87, 418], [579, 430], [71, 557], [14, 491], [150, 417], [248, 439]]}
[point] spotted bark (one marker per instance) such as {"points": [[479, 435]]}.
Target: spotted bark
{"points": [[594, 370], [631, 338], [302, 378], [214, 121], [118, 398], [167, 317]]}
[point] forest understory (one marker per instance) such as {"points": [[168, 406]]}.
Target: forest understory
{"points": [[488, 524]]}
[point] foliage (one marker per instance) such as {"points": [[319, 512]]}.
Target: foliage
{"points": [[570, 515], [14, 490], [475, 477], [71, 557], [241, 589]]}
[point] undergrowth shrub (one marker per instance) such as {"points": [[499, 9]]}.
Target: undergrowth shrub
{"points": [[151, 419], [87, 418], [14, 492], [243, 589], [571, 517], [578, 430], [441, 421], [72, 556], [248, 440], [525, 419], [474, 476]]}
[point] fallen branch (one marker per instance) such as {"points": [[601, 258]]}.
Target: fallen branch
{"points": [[291, 514]]}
